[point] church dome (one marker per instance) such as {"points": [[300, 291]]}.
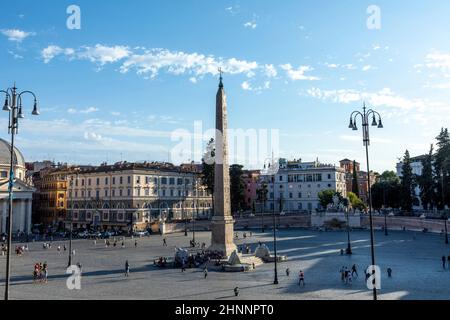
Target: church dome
{"points": [[5, 155]]}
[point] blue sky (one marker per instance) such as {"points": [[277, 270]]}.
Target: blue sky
{"points": [[138, 70]]}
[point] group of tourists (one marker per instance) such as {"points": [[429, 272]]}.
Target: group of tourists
{"points": [[301, 276], [21, 249], [244, 235], [40, 272], [108, 243], [245, 248], [347, 275]]}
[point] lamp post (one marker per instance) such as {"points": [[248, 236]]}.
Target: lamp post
{"points": [[13, 104], [384, 182], [183, 210], [194, 214], [365, 118], [262, 195], [443, 206], [270, 170], [349, 246]]}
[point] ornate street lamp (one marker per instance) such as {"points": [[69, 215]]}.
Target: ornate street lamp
{"points": [[271, 171], [13, 104], [366, 116]]}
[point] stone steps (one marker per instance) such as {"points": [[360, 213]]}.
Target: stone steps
{"points": [[252, 259]]}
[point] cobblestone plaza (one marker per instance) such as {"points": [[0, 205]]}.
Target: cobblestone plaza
{"points": [[415, 259]]}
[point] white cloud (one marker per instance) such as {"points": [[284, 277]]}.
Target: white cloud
{"points": [[16, 35], [250, 24], [366, 68], [103, 54], [115, 113], [385, 97], [438, 60], [84, 111], [98, 54], [298, 74], [92, 136], [177, 62], [246, 86], [52, 51], [15, 55], [270, 71]]}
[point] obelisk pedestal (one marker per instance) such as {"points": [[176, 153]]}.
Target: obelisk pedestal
{"points": [[222, 224]]}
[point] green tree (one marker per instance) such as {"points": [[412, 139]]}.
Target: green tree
{"points": [[355, 185], [326, 197], [208, 166], [237, 188], [386, 191], [426, 182], [356, 202], [408, 184], [262, 192]]}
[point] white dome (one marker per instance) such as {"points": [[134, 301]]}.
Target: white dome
{"points": [[5, 154]]}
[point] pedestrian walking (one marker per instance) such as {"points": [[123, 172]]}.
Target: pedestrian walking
{"points": [[236, 291], [123, 244], [73, 252], [65, 248], [127, 269], [45, 272], [342, 271], [205, 272], [389, 272], [95, 242], [135, 243], [443, 262], [80, 267], [301, 278], [288, 272], [164, 242], [354, 271], [36, 273], [58, 249]]}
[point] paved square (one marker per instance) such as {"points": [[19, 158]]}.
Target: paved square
{"points": [[414, 257]]}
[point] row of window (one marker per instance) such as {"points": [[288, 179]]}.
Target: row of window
{"points": [[147, 179], [138, 193]]}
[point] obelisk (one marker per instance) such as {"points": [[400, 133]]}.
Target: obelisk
{"points": [[222, 224]]}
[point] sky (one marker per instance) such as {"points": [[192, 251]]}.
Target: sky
{"points": [[138, 75]]}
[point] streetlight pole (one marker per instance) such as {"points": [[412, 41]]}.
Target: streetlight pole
{"points": [[365, 117], [196, 213], [13, 104], [275, 281], [349, 246], [182, 208], [443, 206], [383, 181]]}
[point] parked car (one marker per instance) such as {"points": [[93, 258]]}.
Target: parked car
{"points": [[83, 234], [141, 234]]}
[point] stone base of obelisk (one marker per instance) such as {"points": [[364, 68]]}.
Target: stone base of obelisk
{"points": [[222, 236]]}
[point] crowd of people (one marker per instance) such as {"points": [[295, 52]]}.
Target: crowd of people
{"points": [[40, 272]]}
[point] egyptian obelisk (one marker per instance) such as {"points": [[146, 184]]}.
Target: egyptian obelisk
{"points": [[222, 224]]}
